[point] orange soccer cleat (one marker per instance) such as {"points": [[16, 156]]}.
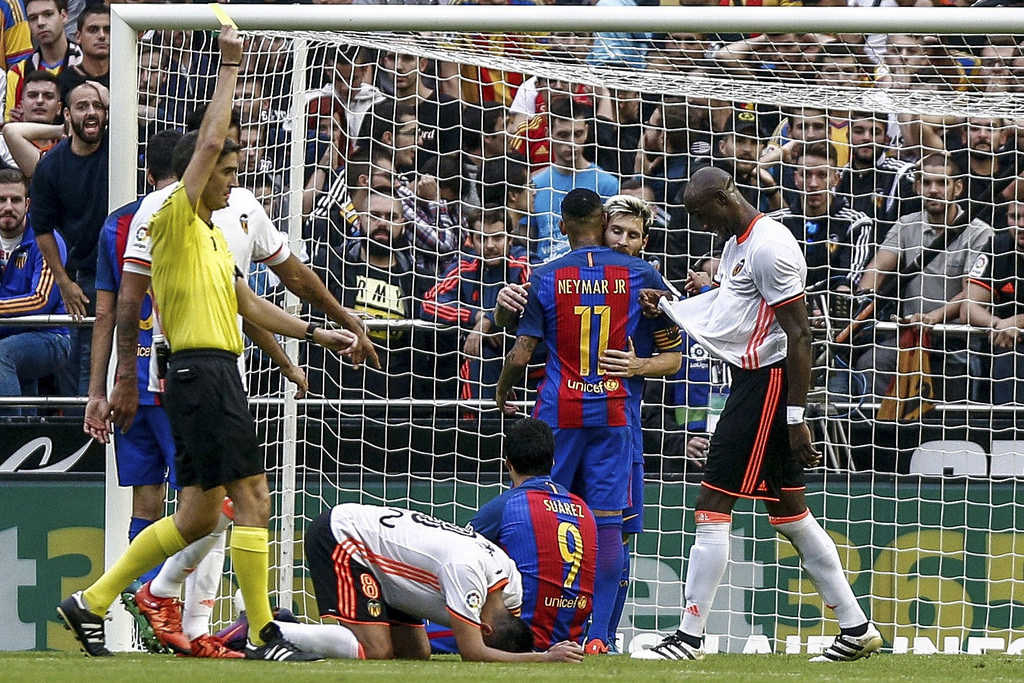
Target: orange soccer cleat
{"points": [[595, 647], [211, 647], [164, 615]]}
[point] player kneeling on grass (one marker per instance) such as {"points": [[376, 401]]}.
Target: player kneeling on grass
{"points": [[380, 571]]}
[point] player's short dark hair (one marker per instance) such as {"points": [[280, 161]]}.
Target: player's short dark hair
{"points": [[91, 10], [186, 147], [195, 119], [580, 204], [12, 176], [530, 447], [510, 634], [160, 154]]}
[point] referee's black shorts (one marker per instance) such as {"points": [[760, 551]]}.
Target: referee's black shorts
{"points": [[749, 455], [214, 433]]}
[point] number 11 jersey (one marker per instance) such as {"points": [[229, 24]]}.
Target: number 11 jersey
{"points": [[580, 305]]}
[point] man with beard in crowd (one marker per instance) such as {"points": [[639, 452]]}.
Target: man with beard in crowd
{"points": [[987, 171], [69, 194]]}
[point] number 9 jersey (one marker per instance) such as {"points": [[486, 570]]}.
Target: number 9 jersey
{"points": [[551, 535]]}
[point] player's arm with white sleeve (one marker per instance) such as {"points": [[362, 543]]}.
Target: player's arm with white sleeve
{"points": [[779, 273]]}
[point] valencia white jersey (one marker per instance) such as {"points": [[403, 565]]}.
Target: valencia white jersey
{"points": [[760, 270], [426, 567], [249, 232]]}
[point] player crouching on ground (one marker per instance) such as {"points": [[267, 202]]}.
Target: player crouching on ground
{"points": [[380, 571]]}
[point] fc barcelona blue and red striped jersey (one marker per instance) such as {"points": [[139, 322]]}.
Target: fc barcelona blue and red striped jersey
{"points": [[581, 304], [551, 535]]}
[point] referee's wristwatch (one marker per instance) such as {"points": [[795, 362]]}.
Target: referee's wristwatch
{"points": [[310, 331]]}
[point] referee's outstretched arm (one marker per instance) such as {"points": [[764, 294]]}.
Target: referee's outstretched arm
{"points": [[266, 315], [214, 129]]}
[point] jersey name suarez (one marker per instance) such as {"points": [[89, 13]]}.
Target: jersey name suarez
{"points": [[551, 535]]}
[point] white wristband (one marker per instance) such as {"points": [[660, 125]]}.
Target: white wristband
{"points": [[794, 415]]}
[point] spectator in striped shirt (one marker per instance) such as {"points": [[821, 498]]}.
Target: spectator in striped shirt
{"points": [[467, 294]]}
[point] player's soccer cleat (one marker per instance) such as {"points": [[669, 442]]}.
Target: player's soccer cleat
{"points": [[235, 635], [848, 648], [211, 647], [145, 632], [671, 647], [595, 646], [164, 615], [276, 648], [86, 626]]}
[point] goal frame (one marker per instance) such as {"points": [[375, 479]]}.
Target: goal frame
{"points": [[128, 20]]}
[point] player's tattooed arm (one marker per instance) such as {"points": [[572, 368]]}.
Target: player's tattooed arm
{"points": [[512, 371], [794, 321]]}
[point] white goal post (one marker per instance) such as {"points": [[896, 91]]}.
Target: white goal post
{"points": [[904, 573]]}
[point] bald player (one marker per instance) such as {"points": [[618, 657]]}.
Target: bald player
{"points": [[755, 319]]}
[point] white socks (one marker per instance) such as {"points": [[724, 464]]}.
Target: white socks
{"points": [[201, 563], [821, 560], [708, 559], [201, 587], [326, 640]]}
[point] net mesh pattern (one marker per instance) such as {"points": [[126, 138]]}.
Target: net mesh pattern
{"points": [[825, 133]]}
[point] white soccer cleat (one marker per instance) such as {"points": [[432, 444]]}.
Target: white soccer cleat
{"points": [[848, 648], [672, 648]]}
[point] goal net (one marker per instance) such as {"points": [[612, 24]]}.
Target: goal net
{"points": [[894, 158]]}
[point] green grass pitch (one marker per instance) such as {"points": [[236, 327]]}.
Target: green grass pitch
{"points": [[74, 668]]}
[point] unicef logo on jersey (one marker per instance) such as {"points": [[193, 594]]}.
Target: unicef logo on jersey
{"points": [[603, 386]]}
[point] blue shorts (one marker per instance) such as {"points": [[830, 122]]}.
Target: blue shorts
{"points": [[145, 453], [633, 515], [593, 463]]}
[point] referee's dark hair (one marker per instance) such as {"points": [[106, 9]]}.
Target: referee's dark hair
{"points": [[160, 154], [187, 146], [510, 634], [530, 447]]}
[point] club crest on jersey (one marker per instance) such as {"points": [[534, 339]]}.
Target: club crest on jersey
{"points": [[21, 260], [738, 267], [244, 221], [374, 608], [474, 599]]}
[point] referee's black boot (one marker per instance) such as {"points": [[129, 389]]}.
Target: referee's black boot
{"points": [[276, 648]]}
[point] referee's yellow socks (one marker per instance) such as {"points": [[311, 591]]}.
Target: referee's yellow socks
{"points": [[249, 558], [152, 546]]}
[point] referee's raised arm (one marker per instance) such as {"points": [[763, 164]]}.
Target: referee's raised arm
{"points": [[214, 128]]}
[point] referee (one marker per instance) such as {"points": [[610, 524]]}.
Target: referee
{"points": [[199, 293]]}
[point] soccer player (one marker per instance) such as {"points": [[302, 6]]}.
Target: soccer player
{"points": [[582, 305], [548, 532], [380, 571], [756, 320], [199, 293]]}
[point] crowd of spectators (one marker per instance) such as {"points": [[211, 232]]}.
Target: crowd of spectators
{"points": [[427, 185]]}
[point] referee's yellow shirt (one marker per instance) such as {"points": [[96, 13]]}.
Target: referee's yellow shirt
{"points": [[193, 279]]}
